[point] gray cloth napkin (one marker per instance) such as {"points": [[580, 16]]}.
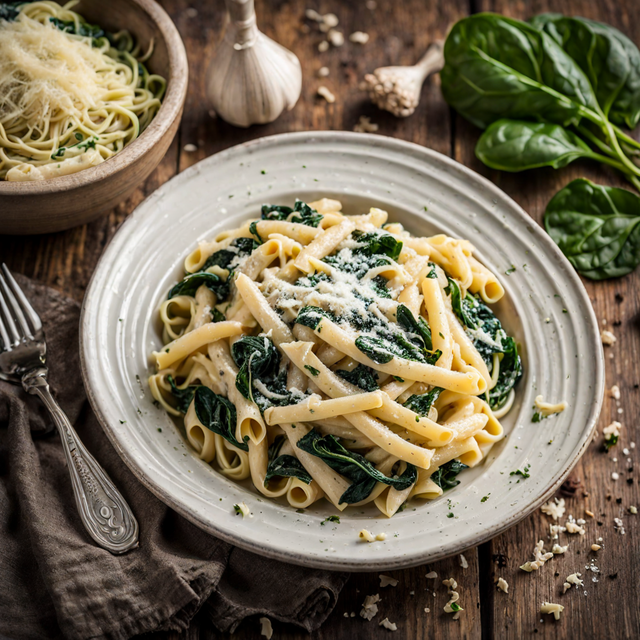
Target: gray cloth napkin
{"points": [[55, 583]]}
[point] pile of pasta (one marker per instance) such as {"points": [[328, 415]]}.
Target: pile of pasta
{"points": [[331, 356]]}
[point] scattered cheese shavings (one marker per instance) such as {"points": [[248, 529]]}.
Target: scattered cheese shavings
{"points": [[574, 578], [385, 581], [190, 148], [574, 527], [555, 508], [595, 547], [266, 629], [365, 125], [612, 431], [463, 562], [589, 513], [615, 476], [452, 606], [557, 549], [551, 607], [540, 558], [633, 510], [323, 72], [427, 610], [381, 537], [607, 338], [326, 94], [555, 529], [359, 37], [312, 14], [619, 526], [432, 575], [323, 46], [392, 626], [547, 409], [503, 585], [330, 19], [242, 508], [369, 607], [615, 392]]}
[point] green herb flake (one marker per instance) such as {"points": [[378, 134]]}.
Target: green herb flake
{"points": [[525, 474], [237, 509], [331, 519], [312, 370], [509, 271], [450, 514], [485, 498]]}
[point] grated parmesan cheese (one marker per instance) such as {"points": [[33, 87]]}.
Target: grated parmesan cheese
{"points": [[432, 575], [573, 579], [557, 549], [607, 338], [503, 585], [463, 562], [386, 581], [575, 527], [391, 626], [370, 607], [540, 557]]}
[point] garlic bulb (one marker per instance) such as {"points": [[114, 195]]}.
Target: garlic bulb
{"points": [[251, 78]]}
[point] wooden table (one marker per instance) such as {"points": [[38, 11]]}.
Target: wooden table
{"points": [[399, 34]]}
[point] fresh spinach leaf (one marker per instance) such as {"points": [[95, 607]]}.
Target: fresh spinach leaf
{"points": [[422, 403], [517, 145], [497, 67], [183, 396], [284, 466], [608, 58], [362, 376], [217, 414], [445, 476], [596, 227], [190, 283], [353, 466]]}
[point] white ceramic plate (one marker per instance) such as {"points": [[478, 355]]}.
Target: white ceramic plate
{"points": [[546, 308]]}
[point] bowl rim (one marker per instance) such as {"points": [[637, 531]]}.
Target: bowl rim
{"points": [[170, 109], [254, 545]]}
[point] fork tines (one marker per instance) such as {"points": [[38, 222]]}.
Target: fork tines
{"points": [[18, 320]]}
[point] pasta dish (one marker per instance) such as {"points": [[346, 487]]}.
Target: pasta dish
{"points": [[330, 356], [71, 94]]}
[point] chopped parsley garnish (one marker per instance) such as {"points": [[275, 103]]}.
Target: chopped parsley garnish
{"points": [[331, 519], [524, 474]]}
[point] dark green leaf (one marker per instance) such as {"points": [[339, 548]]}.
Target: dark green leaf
{"points": [[516, 145], [462, 308], [497, 67], [217, 316], [284, 466], [307, 215], [312, 370], [362, 376], [418, 327], [608, 58], [275, 212], [375, 348], [224, 257], [253, 230], [82, 29], [183, 396], [9, 10], [217, 414], [191, 282], [335, 519], [353, 466], [596, 227], [525, 474], [445, 476], [377, 243], [421, 404], [311, 316]]}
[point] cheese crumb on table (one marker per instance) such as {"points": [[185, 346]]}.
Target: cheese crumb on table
{"points": [[365, 125], [266, 629], [503, 585], [359, 37], [595, 547], [555, 529], [370, 607], [323, 72], [573, 526], [336, 38], [573, 579], [452, 606], [432, 575], [607, 338], [190, 148], [554, 508], [633, 510], [323, 46], [557, 549], [551, 607], [385, 581], [392, 626], [615, 392], [463, 562], [540, 557], [326, 94]]}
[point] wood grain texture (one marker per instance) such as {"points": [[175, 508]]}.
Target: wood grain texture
{"points": [[399, 34]]}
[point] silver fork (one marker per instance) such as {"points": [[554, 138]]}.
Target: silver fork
{"points": [[104, 512]]}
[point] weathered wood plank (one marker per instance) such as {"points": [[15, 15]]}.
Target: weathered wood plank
{"points": [[611, 607]]}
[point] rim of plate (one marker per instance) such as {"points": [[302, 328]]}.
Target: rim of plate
{"points": [[245, 540]]}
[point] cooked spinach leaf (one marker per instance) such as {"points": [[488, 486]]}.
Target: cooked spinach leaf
{"points": [[217, 316], [311, 316], [379, 286], [261, 379], [353, 466], [9, 10], [422, 403], [307, 215], [81, 29], [183, 396], [596, 227], [217, 414], [284, 466], [224, 257], [362, 376], [445, 476], [312, 370], [377, 243], [418, 327], [253, 230], [275, 212], [190, 283]]}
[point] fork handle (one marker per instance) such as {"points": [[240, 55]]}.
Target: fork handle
{"points": [[105, 514]]}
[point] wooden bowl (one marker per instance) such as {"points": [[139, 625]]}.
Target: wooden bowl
{"points": [[45, 206]]}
